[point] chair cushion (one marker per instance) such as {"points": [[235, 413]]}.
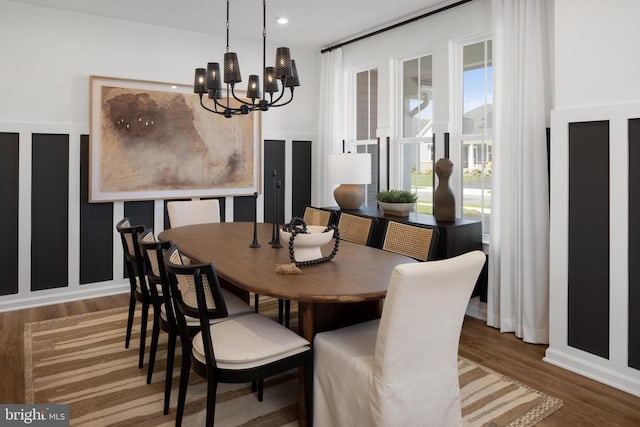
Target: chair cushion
{"points": [[249, 340], [344, 398]]}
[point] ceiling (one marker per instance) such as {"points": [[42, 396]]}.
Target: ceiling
{"points": [[313, 24]]}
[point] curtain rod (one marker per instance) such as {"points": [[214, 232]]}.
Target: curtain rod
{"points": [[396, 25]]}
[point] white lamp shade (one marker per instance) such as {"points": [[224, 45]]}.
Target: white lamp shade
{"points": [[349, 168]]}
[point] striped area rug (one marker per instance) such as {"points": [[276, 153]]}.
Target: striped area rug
{"points": [[81, 361]]}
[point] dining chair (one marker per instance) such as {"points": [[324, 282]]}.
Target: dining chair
{"points": [[315, 216], [239, 349], [401, 369], [413, 241], [153, 254], [189, 212], [355, 228], [139, 292]]}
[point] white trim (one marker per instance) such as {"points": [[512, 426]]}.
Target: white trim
{"points": [[56, 295], [581, 364]]}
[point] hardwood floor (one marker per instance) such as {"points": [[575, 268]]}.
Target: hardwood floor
{"points": [[586, 402]]}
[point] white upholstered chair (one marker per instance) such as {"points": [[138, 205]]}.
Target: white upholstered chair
{"points": [[400, 370], [189, 212]]}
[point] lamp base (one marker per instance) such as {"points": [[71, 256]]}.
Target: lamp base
{"points": [[349, 196]]}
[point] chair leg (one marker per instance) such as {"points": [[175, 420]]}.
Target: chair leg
{"points": [[184, 382], [132, 308], [143, 332], [171, 352], [155, 334], [256, 302], [308, 388], [260, 389], [287, 312], [212, 387], [280, 310]]}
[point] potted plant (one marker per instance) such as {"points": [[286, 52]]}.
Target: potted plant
{"points": [[397, 202]]}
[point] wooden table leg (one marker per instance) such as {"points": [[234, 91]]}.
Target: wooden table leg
{"points": [[306, 330]]}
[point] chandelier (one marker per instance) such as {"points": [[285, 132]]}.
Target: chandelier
{"points": [[208, 81]]}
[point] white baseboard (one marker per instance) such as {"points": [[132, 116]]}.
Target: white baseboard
{"points": [[58, 295], [477, 309], [610, 377]]}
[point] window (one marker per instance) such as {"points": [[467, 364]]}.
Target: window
{"points": [[366, 106], [476, 131], [416, 141]]}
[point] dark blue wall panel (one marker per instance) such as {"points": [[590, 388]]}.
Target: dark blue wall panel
{"points": [[588, 270], [96, 228], [49, 211], [9, 172]]}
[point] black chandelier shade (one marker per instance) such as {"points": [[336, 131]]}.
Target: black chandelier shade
{"points": [[209, 81]]}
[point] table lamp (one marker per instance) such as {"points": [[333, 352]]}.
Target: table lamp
{"points": [[351, 171]]}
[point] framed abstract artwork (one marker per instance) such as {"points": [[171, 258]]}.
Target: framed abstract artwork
{"points": [[153, 140]]}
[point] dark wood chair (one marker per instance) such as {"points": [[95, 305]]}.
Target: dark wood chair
{"points": [[139, 291], [164, 313], [411, 240], [246, 348]]}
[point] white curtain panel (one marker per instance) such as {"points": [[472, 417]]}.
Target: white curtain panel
{"points": [[331, 122], [518, 295]]}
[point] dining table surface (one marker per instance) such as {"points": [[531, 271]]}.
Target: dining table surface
{"points": [[356, 274]]}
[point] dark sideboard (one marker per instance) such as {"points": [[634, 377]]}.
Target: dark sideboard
{"points": [[456, 237]]}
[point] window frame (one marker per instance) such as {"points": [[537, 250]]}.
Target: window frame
{"points": [[456, 114]]}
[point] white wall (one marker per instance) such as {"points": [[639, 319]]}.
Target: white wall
{"points": [[46, 58], [596, 52], [596, 78]]}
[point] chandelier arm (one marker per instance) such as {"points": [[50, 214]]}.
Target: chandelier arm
{"points": [[279, 96], [284, 103], [209, 109], [233, 92]]}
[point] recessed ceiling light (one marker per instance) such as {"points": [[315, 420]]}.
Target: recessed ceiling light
{"points": [[283, 21], [174, 87]]}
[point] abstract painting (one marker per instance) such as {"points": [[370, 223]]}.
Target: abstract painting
{"points": [[153, 140]]}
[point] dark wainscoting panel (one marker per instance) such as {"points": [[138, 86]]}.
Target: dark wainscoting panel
{"points": [[243, 209], [139, 213], [273, 160], [301, 177], [9, 188], [49, 211], [96, 228], [634, 244], [588, 281]]}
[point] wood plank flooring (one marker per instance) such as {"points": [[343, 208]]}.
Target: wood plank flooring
{"points": [[586, 402]]}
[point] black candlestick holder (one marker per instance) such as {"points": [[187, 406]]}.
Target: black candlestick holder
{"points": [[275, 238], [255, 243]]}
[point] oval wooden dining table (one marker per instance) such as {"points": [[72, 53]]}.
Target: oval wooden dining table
{"points": [[330, 295], [341, 292]]}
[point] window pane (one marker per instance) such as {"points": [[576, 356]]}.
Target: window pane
{"points": [[417, 108], [362, 105], [476, 177], [371, 189], [417, 173], [477, 83], [373, 103]]}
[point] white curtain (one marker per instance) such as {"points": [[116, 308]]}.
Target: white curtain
{"points": [[331, 123], [518, 295]]}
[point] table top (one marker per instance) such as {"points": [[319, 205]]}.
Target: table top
{"points": [[357, 273]]}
